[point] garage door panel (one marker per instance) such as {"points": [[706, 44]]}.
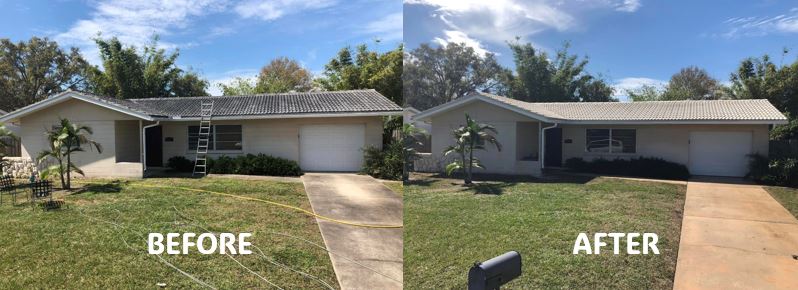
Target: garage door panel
{"points": [[720, 153], [334, 147]]}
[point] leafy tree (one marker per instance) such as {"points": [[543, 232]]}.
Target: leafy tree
{"points": [[436, 75], [564, 79], [691, 83], [411, 139], [645, 93], [760, 78], [5, 136], [65, 139], [472, 136], [283, 75], [239, 87], [366, 70], [127, 74], [34, 69]]}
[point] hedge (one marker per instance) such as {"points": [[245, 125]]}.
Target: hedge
{"points": [[649, 167]]}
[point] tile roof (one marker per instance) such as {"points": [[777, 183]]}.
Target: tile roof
{"points": [[354, 101], [709, 110]]}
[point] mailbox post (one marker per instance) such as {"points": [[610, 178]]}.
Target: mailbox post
{"points": [[495, 272]]}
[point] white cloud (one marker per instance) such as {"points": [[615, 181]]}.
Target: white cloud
{"points": [[453, 36], [628, 6], [632, 83], [273, 9], [761, 26], [228, 77], [387, 28], [135, 22]]}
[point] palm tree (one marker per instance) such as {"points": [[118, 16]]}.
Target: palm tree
{"points": [[472, 136], [64, 140], [5, 135], [410, 140]]}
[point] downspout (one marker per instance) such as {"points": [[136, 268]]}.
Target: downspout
{"points": [[543, 144], [144, 140]]}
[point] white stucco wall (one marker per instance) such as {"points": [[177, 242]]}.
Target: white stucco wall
{"points": [[103, 123], [276, 137], [669, 142], [505, 122]]}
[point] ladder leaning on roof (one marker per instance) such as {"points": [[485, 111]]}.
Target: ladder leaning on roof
{"points": [[203, 139]]}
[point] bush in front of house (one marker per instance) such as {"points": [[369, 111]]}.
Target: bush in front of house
{"points": [[180, 164], [777, 171], [385, 163], [649, 167], [251, 164]]}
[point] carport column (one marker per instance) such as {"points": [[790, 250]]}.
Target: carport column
{"points": [[141, 145], [543, 144]]}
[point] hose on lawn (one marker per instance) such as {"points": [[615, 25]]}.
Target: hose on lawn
{"points": [[304, 211]]}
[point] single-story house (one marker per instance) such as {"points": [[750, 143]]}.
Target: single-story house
{"points": [[408, 117], [322, 131], [712, 137]]}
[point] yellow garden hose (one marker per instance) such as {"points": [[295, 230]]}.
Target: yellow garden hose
{"points": [[304, 211]]}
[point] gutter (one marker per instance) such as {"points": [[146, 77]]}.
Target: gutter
{"points": [[144, 142], [543, 143]]}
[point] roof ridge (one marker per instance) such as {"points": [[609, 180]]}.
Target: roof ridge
{"points": [[254, 95]]}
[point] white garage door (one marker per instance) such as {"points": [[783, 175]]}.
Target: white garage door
{"points": [[331, 147], [719, 153]]}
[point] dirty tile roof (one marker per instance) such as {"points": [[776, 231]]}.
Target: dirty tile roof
{"points": [[354, 101], [709, 110]]}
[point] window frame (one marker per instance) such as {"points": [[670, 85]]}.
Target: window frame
{"points": [[214, 139], [609, 147]]}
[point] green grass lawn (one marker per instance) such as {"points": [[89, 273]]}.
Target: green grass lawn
{"points": [[396, 186], [448, 227], [79, 248], [788, 197]]}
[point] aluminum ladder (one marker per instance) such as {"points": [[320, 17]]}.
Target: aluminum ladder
{"points": [[203, 139]]}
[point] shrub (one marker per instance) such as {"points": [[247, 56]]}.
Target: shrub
{"points": [[180, 164], [386, 163], [779, 171], [250, 164], [650, 167]]}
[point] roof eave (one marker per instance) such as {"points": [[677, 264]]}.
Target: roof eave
{"points": [[676, 122], [289, 116], [426, 115], [64, 96]]}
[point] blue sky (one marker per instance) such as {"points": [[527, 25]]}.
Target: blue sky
{"points": [[629, 42], [220, 39]]}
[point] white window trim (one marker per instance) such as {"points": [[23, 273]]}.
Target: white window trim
{"points": [[214, 151], [610, 145]]}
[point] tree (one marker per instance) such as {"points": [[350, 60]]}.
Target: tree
{"points": [[127, 74], [645, 93], [691, 83], [239, 87], [65, 139], [537, 78], [5, 136], [469, 137], [367, 70], [411, 139], [760, 78], [436, 75], [283, 75], [30, 71]]}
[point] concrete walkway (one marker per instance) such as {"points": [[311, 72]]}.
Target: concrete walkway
{"points": [[735, 236], [377, 253]]}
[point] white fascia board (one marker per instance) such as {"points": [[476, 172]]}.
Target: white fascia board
{"points": [[290, 116], [59, 98], [676, 122], [426, 115]]}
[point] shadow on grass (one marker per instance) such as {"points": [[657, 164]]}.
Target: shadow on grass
{"points": [[115, 186], [419, 182], [547, 178], [490, 188]]}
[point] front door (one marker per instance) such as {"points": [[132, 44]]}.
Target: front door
{"points": [[154, 147], [553, 147]]}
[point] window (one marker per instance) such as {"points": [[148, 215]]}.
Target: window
{"points": [[222, 137], [611, 140]]}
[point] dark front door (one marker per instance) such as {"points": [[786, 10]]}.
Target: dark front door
{"points": [[154, 147], [553, 147]]}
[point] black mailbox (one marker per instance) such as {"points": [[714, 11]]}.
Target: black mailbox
{"points": [[495, 272]]}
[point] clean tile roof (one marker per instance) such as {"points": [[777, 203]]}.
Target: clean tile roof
{"points": [[710, 110]]}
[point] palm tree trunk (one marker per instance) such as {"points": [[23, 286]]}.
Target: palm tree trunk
{"points": [[68, 170], [470, 162]]}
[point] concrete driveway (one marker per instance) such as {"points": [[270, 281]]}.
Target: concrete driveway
{"points": [[363, 258], [735, 236]]}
